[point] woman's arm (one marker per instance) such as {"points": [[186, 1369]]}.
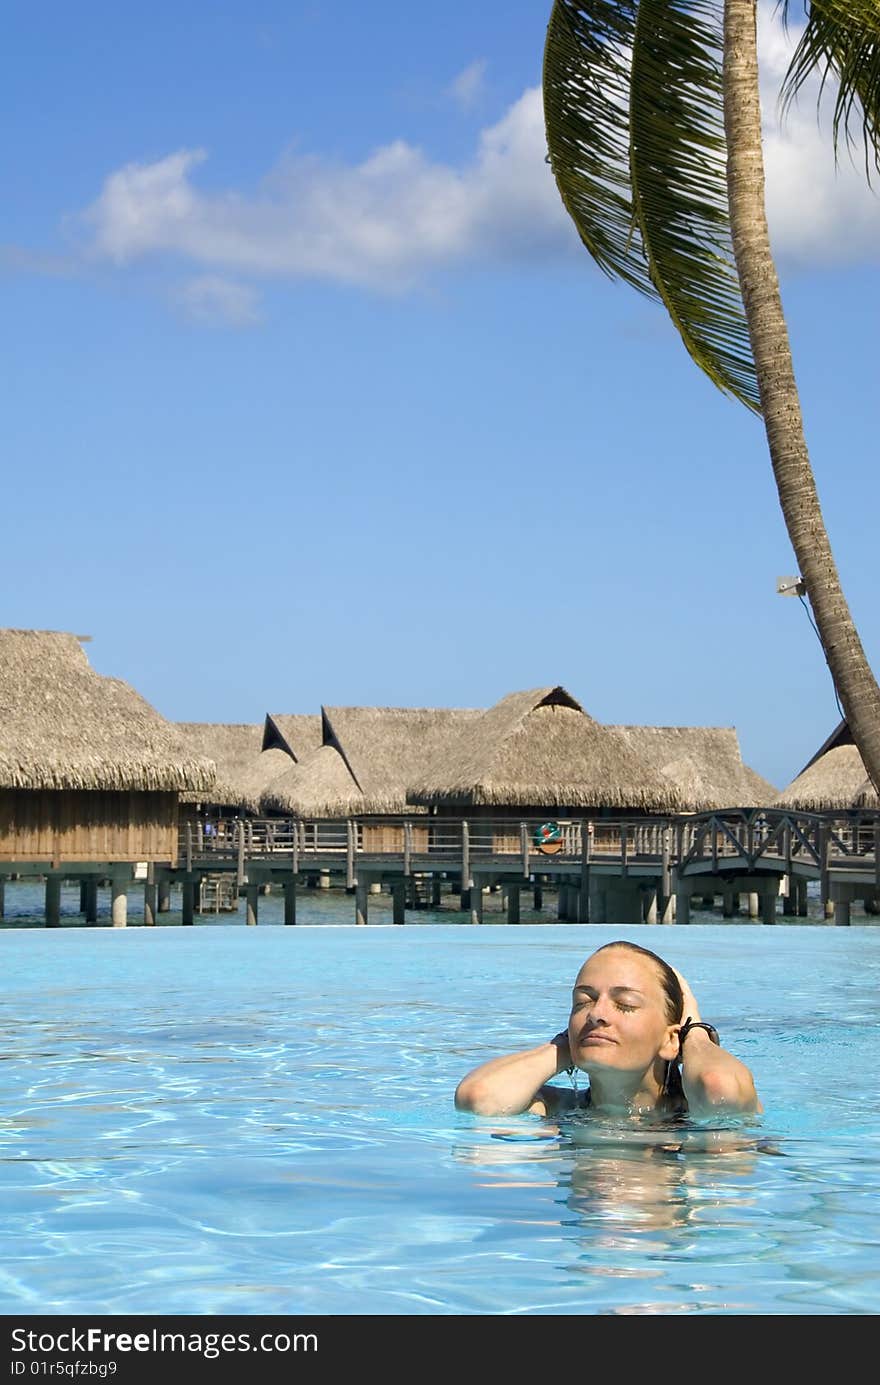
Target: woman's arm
{"points": [[515, 1083], [713, 1079]]}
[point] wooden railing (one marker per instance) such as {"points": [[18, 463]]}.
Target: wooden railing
{"points": [[745, 838]]}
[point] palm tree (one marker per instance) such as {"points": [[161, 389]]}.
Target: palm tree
{"points": [[653, 125]]}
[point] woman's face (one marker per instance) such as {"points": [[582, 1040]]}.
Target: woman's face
{"points": [[618, 1016]]}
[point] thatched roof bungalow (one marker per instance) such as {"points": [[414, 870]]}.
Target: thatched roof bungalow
{"points": [[834, 780], [536, 751], [704, 763], [365, 761], [88, 769], [244, 769]]}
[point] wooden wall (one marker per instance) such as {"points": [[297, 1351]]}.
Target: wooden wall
{"points": [[85, 825], [379, 836]]}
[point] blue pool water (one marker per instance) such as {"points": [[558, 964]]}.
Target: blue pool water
{"points": [[233, 1120]]}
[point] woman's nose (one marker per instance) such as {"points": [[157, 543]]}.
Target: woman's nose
{"points": [[600, 1010]]}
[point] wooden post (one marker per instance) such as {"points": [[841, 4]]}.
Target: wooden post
{"points": [[164, 896], [350, 877], [524, 847], [91, 909], [407, 848], [361, 910], [650, 905], [476, 900], [513, 902], [769, 897], [436, 883], [53, 901], [240, 862], [665, 889], [83, 893], [150, 897], [188, 902], [802, 898], [842, 912], [119, 901], [189, 847], [466, 866], [398, 897], [290, 900], [727, 902], [252, 905], [824, 876], [2, 897], [583, 901], [754, 900]]}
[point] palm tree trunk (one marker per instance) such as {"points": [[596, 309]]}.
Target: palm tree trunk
{"points": [[855, 683]]}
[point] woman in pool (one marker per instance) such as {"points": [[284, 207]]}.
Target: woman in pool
{"points": [[634, 1020]]}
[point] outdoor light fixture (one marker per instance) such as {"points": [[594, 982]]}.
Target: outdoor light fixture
{"points": [[790, 586]]}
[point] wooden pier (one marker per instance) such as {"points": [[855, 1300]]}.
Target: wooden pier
{"points": [[603, 871]]}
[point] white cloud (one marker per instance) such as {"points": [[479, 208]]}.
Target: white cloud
{"points": [[818, 213], [467, 87], [381, 222], [212, 301], [386, 221]]}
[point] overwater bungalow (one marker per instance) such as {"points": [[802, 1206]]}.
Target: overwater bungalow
{"points": [[537, 753], [833, 780], [366, 758], [90, 774], [244, 768], [704, 763]]}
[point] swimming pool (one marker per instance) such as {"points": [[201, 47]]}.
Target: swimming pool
{"points": [[232, 1120]]}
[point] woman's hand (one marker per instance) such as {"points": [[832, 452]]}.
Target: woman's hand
{"points": [[691, 1008], [563, 1049]]}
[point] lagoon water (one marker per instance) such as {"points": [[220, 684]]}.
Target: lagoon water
{"points": [[232, 1120]]}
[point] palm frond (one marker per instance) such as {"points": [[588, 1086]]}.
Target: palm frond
{"points": [[841, 43], [634, 123], [586, 86]]}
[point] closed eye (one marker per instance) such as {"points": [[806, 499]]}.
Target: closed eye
{"points": [[581, 1004]]}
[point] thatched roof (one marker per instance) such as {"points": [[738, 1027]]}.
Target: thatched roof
{"points": [[296, 733], [320, 786], [832, 782], [368, 756], [64, 726], [763, 793], [866, 796], [243, 768], [704, 763], [540, 748]]}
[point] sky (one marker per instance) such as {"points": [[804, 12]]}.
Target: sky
{"points": [[310, 394]]}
